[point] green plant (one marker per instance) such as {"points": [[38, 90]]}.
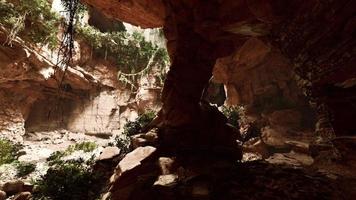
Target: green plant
{"points": [[232, 114], [24, 168], [69, 180], [134, 56], [9, 151], [56, 157], [123, 142], [32, 20], [86, 146], [133, 127]]}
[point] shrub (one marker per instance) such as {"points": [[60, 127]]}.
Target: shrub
{"points": [[55, 157], [232, 114], [71, 180], [9, 151], [123, 142], [85, 146], [24, 168], [134, 127]]}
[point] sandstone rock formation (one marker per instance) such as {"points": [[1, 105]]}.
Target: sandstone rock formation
{"points": [[263, 51], [199, 32], [91, 99]]}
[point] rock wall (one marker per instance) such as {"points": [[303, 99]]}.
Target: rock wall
{"points": [[260, 78], [90, 100], [316, 37]]}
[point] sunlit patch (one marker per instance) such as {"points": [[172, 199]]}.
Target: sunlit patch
{"points": [[47, 72]]}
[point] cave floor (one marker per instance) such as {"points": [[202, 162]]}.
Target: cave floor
{"points": [[250, 180]]}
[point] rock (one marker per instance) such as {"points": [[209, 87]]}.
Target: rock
{"points": [[285, 118], [13, 187], [144, 13], [138, 141], [106, 196], [201, 190], [292, 158], [166, 180], [346, 145], [130, 166], [148, 139], [166, 165], [273, 136], [298, 146], [2, 195], [134, 169], [109, 153], [152, 136], [258, 147], [23, 196], [28, 187]]}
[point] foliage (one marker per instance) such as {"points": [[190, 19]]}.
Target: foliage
{"points": [[123, 142], [134, 56], [133, 127], [71, 180], [32, 20], [85, 146], [24, 168], [232, 114], [9, 151], [55, 157]]}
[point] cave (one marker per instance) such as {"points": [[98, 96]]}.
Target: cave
{"points": [[287, 65], [313, 39]]}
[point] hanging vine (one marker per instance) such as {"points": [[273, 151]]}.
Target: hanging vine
{"points": [[66, 48]]}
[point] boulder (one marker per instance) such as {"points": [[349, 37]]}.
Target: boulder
{"points": [[13, 187], [23, 196], [134, 163], [166, 165], [298, 146], [109, 153], [146, 139], [166, 180], [2, 195]]}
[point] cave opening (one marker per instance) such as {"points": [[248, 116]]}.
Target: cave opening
{"points": [[225, 99]]}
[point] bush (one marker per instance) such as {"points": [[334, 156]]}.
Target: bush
{"points": [[132, 128], [85, 146], [123, 142], [55, 157], [71, 180], [9, 151], [232, 114], [24, 168]]}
